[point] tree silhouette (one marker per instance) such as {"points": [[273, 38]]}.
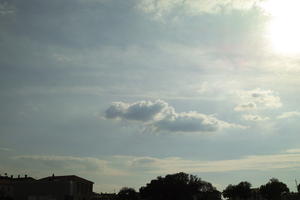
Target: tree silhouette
{"points": [[298, 188], [244, 190], [274, 189], [127, 194], [240, 191], [179, 186], [230, 192]]}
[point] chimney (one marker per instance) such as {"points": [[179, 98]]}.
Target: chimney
{"points": [[18, 176], [12, 176], [25, 175]]}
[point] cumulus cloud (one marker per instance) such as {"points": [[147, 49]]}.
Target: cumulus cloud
{"points": [[254, 118], [139, 111], [258, 99], [191, 122], [288, 115], [159, 115], [162, 8]]}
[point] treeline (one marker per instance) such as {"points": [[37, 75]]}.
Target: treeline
{"points": [[182, 186]]}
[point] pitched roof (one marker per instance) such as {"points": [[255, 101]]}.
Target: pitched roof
{"points": [[67, 178]]}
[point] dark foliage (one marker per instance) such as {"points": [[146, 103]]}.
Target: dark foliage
{"points": [[240, 191], [274, 189], [180, 186], [127, 194]]}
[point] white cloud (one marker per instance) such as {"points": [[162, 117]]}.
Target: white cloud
{"points": [[293, 151], [176, 164], [160, 116], [162, 8], [258, 99], [68, 164], [254, 118], [98, 169], [105, 172], [246, 106], [192, 122], [288, 115], [5, 149]]}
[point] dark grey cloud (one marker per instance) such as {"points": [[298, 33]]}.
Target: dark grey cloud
{"points": [[53, 43], [160, 9], [160, 116], [6, 8], [77, 24], [190, 122], [139, 111]]}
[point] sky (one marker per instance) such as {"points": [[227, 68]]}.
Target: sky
{"points": [[120, 92]]}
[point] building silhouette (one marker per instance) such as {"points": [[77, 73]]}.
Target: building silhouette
{"points": [[49, 188]]}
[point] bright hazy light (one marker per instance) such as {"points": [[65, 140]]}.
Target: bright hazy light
{"points": [[284, 28]]}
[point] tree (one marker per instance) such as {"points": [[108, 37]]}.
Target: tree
{"points": [[240, 191], [127, 194], [274, 189], [179, 186], [244, 190], [298, 188], [230, 192]]}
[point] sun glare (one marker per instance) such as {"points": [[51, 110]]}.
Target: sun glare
{"points": [[283, 30]]}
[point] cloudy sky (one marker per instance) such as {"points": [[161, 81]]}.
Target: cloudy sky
{"points": [[120, 92]]}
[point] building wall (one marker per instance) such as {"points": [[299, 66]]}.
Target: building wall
{"points": [[53, 190], [82, 190], [6, 190]]}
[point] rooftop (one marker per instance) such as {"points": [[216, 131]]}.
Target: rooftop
{"points": [[67, 177]]}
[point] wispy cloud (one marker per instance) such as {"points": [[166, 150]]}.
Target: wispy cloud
{"points": [[5, 149], [126, 165], [160, 116], [136, 166], [175, 164], [293, 151], [69, 163], [254, 118], [163, 8], [288, 115], [246, 106], [6, 9], [258, 99]]}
